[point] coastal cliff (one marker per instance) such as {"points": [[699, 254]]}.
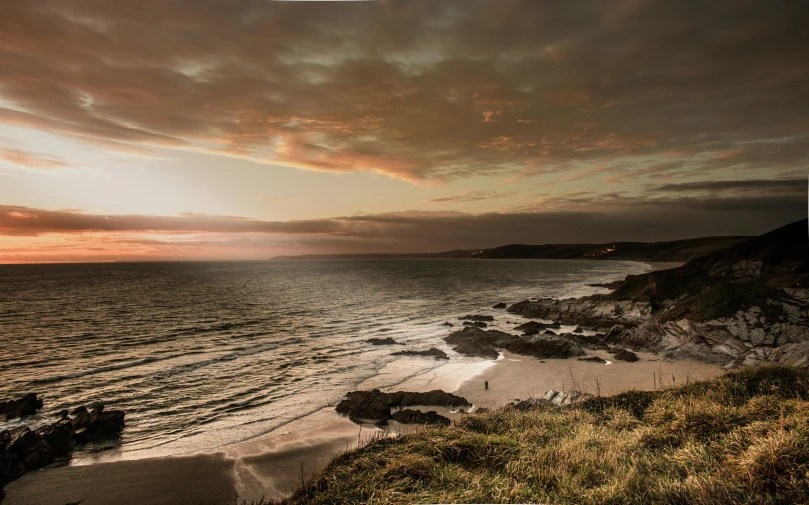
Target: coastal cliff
{"points": [[743, 305]]}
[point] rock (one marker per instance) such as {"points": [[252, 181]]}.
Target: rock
{"points": [[432, 351], [500, 305], [11, 467], [562, 398], [552, 397], [535, 327], [447, 324], [30, 448], [549, 332], [106, 425], [365, 405], [477, 317], [375, 405], [589, 341], [382, 341], [578, 330], [81, 417], [59, 436], [614, 333], [97, 424], [545, 346], [624, 355], [594, 359], [21, 407], [472, 341], [409, 416], [476, 324], [592, 311]]}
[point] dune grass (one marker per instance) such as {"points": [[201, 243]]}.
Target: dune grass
{"points": [[741, 438]]}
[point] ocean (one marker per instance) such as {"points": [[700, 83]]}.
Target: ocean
{"points": [[202, 355]]}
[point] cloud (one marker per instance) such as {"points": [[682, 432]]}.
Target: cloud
{"points": [[419, 90], [25, 159], [670, 213], [469, 196], [794, 186]]}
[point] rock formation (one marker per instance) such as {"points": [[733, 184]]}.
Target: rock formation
{"points": [[477, 317], [376, 406], [382, 341], [743, 305], [431, 352], [21, 407], [23, 450]]}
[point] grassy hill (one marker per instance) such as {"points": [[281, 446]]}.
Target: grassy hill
{"points": [[742, 439]]}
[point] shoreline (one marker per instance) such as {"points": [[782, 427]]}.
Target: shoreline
{"points": [[272, 465]]}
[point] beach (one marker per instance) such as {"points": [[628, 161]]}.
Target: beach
{"points": [[274, 465]]}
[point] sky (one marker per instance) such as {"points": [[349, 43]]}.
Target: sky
{"points": [[241, 130]]}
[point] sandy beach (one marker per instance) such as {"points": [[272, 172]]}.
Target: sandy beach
{"points": [[273, 466]]}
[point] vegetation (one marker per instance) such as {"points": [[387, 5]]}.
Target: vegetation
{"points": [[742, 438]]}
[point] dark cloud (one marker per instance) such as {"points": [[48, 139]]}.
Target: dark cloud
{"points": [[574, 218], [795, 186], [420, 89]]}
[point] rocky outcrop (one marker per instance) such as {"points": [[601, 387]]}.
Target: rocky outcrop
{"points": [[545, 346], [382, 341], [535, 327], [431, 352], [475, 324], [472, 341], [745, 305], [97, 424], [477, 317], [23, 450], [376, 406], [500, 305], [27, 405], [592, 313], [448, 324], [624, 355], [409, 416], [553, 397]]}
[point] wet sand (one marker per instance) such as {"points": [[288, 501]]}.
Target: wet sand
{"points": [[192, 480]]}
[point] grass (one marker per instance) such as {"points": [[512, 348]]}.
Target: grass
{"points": [[741, 438]]}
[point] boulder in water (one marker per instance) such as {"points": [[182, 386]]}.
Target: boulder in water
{"points": [[21, 407], [475, 324], [431, 352], [382, 341]]}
